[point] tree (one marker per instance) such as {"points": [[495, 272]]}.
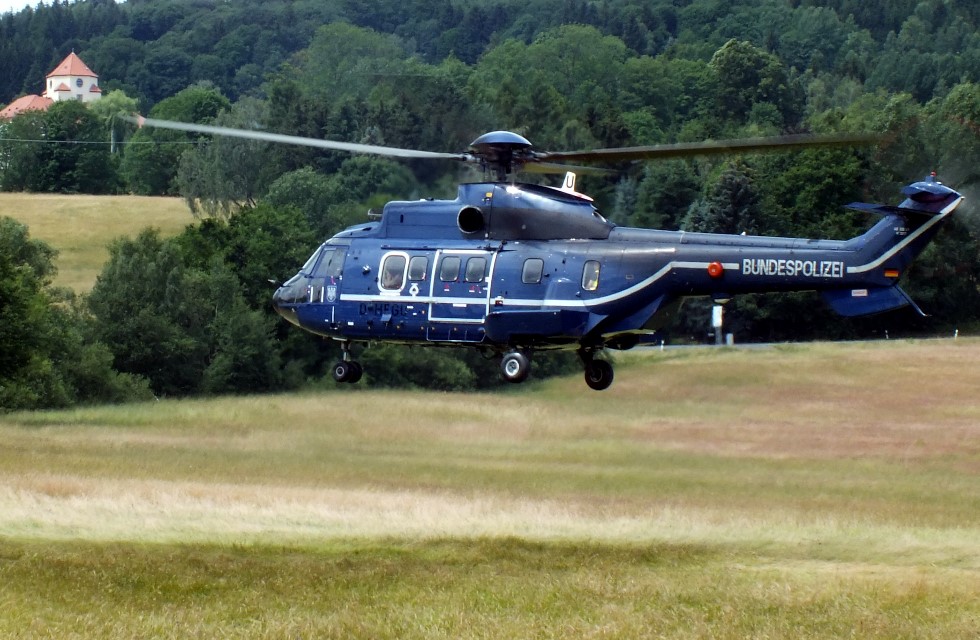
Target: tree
{"points": [[326, 200], [109, 109], [150, 163], [565, 74], [144, 313], [82, 164], [174, 311], [63, 149], [266, 243], [953, 125], [20, 168], [219, 176], [347, 61], [47, 358], [665, 192], [747, 75], [730, 206]]}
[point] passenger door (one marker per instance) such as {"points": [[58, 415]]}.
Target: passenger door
{"points": [[460, 294]]}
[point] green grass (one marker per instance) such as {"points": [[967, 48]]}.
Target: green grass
{"points": [[482, 588], [80, 226], [808, 491]]}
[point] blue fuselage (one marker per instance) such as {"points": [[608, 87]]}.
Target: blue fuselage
{"points": [[506, 266]]}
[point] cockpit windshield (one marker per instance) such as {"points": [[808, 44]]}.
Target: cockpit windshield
{"points": [[331, 263], [326, 265], [306, 271]]}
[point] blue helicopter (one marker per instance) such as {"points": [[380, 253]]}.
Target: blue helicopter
{"points": [[512, 268]]}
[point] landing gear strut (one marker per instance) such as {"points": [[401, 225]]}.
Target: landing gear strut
{"points": [[598, 373], [515, 366], [347, 370]]}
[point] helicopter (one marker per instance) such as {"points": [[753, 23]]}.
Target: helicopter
{"points": [[512, 268]]}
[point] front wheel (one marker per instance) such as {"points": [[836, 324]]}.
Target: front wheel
{"points": [[598, 374], [515, 367], [347, 371]]}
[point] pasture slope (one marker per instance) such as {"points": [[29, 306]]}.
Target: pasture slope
{"points": [[80, 227], [817, 491]]}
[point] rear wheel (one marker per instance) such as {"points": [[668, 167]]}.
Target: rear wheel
{"points": [[356, 372]]}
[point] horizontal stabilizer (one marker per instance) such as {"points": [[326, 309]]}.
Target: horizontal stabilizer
{"points": [[887, 209], [862, 302]]}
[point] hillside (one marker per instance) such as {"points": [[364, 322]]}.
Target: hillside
{"points": [[80, 226]]}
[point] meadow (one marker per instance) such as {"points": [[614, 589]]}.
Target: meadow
{"points": [[811, 491], [80, 226]]}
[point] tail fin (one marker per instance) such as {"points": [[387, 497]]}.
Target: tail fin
{"points": [[924, 200], [906, 229], [888, 248]]}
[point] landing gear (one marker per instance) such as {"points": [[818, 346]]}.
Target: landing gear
{"points": [[598, 373], [515, 366], [347, 370]]}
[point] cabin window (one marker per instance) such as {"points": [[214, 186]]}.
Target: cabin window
{"points": [[417, 267], [393, 272], [590, 275], [449, 269], [476, 268], [533, 269]]}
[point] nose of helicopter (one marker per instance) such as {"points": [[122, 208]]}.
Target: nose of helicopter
{"points": [[282, 302]]}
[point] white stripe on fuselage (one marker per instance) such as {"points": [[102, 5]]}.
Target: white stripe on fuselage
{"points": [[574, 303], [880, 260], [577, 303]]}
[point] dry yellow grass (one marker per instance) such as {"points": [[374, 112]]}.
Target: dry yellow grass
{"points": [[81, 226], [803, 445], [903, 400]]}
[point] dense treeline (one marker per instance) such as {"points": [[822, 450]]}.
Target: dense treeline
{"points": [[152, 49], [569, 74]]}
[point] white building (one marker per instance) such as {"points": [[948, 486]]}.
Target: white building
{"points": [[73, 80]]}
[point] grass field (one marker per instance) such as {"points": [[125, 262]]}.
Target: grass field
{"points": [[80, 226], [817, 491]]}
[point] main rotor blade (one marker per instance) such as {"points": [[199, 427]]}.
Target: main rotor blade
{"points": [[297, 140], [686, 149], [552, 168]]}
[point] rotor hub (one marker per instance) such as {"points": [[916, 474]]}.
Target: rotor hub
{"points": [[502, 151]]}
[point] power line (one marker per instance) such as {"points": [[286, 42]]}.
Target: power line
{"points": [[106, 142]]}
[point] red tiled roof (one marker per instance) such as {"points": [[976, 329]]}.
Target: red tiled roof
{"points": [[72, 66], [62, 87], [26, 103]]}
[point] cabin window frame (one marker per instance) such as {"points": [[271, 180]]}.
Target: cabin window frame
{"points": [[529, 275], [389, 286], [418, 268], [454, 271], [470, 274], [590, 275]]}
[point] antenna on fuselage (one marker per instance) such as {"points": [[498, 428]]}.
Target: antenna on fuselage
{"points": [[568, 186]]}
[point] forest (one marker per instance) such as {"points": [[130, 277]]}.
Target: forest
{"points": [[433, 75]]}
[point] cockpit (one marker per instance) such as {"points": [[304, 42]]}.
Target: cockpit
{"points": [[317, 282]]}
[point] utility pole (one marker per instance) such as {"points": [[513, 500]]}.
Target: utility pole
{"points": [[716, 322]]}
